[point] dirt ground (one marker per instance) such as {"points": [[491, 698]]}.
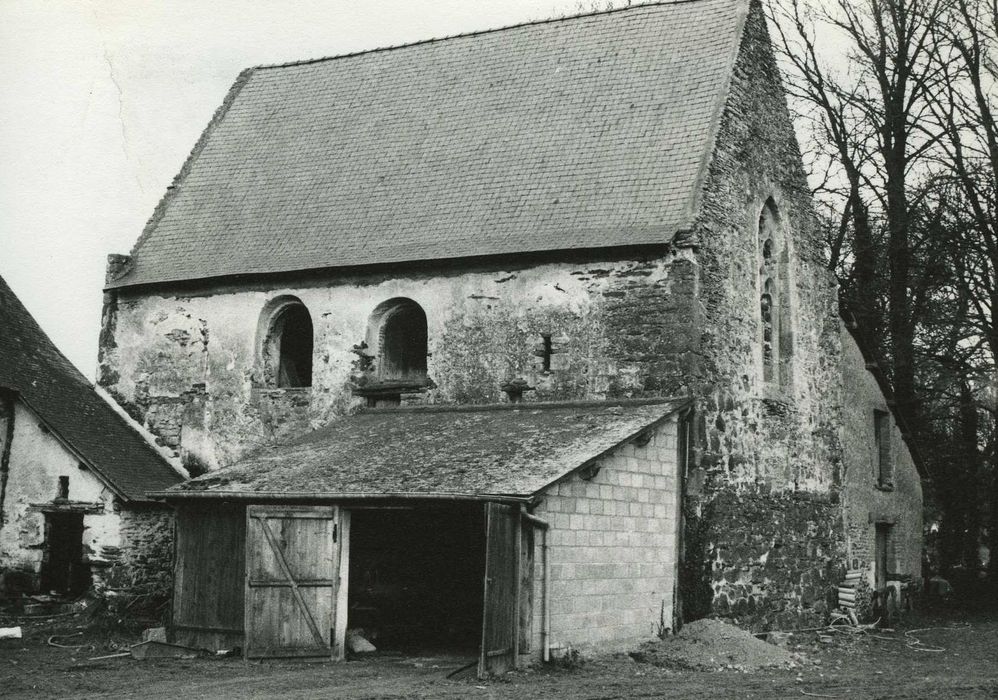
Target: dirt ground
{"points": [[956, 658]]}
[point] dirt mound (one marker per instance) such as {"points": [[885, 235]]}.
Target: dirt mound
{"points": [[712, 645]]}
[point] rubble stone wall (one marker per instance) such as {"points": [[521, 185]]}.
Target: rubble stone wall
{"points": [[765, 541], [188, 366], [866, 502], [145, 564]]}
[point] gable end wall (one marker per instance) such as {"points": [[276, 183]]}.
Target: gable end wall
{"points": [[764, 536]]}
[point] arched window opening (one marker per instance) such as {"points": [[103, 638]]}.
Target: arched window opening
{"points": [[775, 334], [402, 341], [287, 345], [768, 339]]}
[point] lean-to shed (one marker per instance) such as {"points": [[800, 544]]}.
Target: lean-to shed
{"points": [[499, 530]]}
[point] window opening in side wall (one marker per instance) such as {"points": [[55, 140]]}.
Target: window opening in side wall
{"points": [[776, 329], [882, 439], [287, 344], [547, 351], [401, 341]]}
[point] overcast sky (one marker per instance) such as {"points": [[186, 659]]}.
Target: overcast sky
{"points": [[102, 100]]}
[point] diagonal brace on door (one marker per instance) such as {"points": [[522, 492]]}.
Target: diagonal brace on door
{"points": [[282, 562]]}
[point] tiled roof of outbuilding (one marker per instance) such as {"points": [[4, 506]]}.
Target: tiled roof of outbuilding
{"points": [[576, 133], [61, 396], [510, 450]]}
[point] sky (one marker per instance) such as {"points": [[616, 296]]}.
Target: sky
{"points": [[102, 100]]}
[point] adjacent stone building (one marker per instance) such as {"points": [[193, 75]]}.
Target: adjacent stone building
{"points": [[604, 208], [74, 471]]}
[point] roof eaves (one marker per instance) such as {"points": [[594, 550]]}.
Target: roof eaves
{"points": [[651, 425], [182, 280], [171, 494], [83, 459], [719, 108], [160, 211], [679, 401]]}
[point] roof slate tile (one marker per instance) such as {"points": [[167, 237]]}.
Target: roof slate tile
{"points": [[472, 451], [583, 132]]}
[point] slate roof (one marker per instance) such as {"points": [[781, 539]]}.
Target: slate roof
{"points": [[510, 450], [575, 133], [69, 405]]}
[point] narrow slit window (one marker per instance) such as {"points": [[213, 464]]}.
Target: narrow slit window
{"points": [[882, 437], [546, 356]]}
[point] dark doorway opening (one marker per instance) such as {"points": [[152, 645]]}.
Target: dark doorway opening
{"points": [[883, 555], [64, 570], [416, 578]]}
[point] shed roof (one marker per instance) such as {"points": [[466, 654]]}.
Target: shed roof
{"points": [[32, 366], [510, 450], [577, 133]]}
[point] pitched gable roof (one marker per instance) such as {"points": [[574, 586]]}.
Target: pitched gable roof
{"points": [[69, 405], [502, 450], [584, 132]]}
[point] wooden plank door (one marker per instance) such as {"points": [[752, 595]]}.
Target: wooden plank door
{"points": [[502, 578], [292, 561]]}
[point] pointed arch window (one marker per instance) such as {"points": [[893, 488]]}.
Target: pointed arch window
{"points": [[775, 332]]}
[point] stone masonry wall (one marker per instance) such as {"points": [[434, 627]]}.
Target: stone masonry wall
{"points": [[188, 366], [768, 454], [613, 544], [866, 502], [144, 565]]}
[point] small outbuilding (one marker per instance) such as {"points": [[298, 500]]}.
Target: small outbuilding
{"points": [[502, 531], [73, 475]]}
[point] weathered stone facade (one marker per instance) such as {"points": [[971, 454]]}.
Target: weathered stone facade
{"points": [[762, 496], [867, 502], [738, 312], [618, 327]]}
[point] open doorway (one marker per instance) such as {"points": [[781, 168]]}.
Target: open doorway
{"points": [[416, 578], [64, 570]]}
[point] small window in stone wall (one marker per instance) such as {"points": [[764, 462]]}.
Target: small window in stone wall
{"points": [[401, 341], [551, 353], [882, 439], [287, 346], [546, 353], [775, 333]]}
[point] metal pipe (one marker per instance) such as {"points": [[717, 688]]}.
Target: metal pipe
{"points": [[544, 526]]}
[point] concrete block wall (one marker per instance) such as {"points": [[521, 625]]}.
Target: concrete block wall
{"points": [[612, 549]]}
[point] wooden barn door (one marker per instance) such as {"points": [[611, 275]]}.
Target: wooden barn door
{"points": [[292, 561], [502, 582]]}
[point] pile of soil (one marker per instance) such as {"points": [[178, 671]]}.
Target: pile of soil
{"points": [[714, 645]]}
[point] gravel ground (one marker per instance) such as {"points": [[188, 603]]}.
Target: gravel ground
{"points": [[708, 645], [956, 658]]}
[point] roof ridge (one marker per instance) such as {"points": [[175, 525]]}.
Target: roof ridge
{"points": [[480, 32], [529, 405]]}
